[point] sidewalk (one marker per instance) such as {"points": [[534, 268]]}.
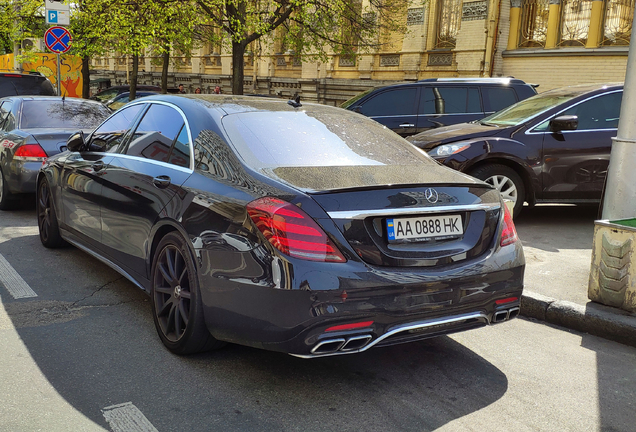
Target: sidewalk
{"points": [[557, 243]]}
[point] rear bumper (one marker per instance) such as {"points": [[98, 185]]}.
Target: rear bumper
{"points": [[21, 176], [404, 305]]}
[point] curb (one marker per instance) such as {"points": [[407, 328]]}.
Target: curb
{"points": [[593, 318]]}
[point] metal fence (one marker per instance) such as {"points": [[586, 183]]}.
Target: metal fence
{"points": [[575, 22], [617, 26], [534, 23], [449, 15]]}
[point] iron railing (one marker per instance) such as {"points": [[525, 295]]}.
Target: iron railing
{"points": [[534, 23], [617, 25], [449, 15]]}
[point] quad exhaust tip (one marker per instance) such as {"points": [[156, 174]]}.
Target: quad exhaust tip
{"points": [[505, 315], [353, 343]]}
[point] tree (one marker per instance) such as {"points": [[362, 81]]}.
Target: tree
{"points": [[345, 26]]}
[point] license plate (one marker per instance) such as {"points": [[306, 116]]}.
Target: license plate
{"points": [[424, 228]]}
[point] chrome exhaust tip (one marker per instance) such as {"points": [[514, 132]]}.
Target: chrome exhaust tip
{"points": [[328, 346], [500, 316], [512, 313], [355, 343]]}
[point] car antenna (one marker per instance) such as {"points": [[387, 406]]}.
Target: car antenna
{"points": [[295, 102]]}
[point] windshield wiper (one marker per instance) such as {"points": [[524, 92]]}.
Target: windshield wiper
{"points": [[483, 123]]}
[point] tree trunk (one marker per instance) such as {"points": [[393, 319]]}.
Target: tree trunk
{"points": [[164, 71], [86, 78], [238, 67], [133, 77]]}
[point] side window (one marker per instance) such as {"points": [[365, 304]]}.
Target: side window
{"points": [[391, 102], [599, 113], [449, 100], [181, 150], [498, 98], [156, 133], [110, 135], [5, 110]]}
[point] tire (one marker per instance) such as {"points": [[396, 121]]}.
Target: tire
{"points": [[47, 218], [7, 199], [177, 308], [506, 181]]}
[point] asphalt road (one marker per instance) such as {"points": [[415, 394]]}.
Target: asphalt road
{"points": [[83, 355]]}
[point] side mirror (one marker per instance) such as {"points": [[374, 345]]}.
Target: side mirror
{"points": [[564, 123], [76, 142]]}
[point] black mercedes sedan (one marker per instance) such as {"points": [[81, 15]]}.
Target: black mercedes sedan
{"points": [[33, 128], [550, 148], [287, 226]]}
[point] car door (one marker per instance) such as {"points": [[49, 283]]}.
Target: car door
{"points": [[575, 162], [81, 182], [395, 108], [447, 105], [140, 181]]}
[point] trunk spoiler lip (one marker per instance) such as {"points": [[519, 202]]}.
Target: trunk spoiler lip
{"points": [[479, 185]]}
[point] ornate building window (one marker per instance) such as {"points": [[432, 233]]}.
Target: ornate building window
{"points": [[534, 23], [617, 25], [575, 22], [449, 15]]}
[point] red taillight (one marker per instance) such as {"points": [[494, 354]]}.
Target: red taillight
{"points": [[506, 300], [363, 324], [291, 231], [30, 150], [12, 75], [508, 233]]}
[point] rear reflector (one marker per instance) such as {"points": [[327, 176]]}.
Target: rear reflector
{"points": [[506, 300], [30, 151], [352, 326], [12, 75], [508, 233], [292, 231]]}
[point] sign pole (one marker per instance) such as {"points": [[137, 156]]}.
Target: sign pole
{"points": [[59, 76]]}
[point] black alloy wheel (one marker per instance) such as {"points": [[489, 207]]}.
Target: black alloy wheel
{"points": [[176, 304], [47, 219]]}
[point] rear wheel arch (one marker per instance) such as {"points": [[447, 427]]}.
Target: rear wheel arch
{"points": [[518, 168], [164, 228]]}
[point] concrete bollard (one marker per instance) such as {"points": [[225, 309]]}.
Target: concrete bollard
{"points": [[612, 275]]}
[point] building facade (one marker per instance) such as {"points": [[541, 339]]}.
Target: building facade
{"points": [[552, 43]]}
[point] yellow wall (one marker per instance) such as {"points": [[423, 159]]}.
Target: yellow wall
{"points": [[70, 70], [560, 71]]}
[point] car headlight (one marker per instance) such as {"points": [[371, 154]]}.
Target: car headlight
{"points": [[448, 149]]}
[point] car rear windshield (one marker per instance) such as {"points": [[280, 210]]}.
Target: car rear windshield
{"points": [[68, 114], [527, 109], [15, 85], [324, 137]]}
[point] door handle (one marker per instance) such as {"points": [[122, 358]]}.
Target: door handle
{"points": [[98, 166], [405, 125], [161, 182]]}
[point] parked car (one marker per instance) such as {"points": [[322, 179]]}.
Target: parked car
{"points": [[111, 92], [123, 98], [553, 147], [410, 108], [33, 128], [16, 84], [291, 227]]}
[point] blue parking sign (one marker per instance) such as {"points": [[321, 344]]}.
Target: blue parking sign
{"points": [[52, 17]]}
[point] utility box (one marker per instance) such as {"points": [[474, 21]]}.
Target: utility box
{"points": [[613, 271]]}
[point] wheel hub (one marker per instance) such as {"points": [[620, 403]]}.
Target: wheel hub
{"points": [[177, 291]]}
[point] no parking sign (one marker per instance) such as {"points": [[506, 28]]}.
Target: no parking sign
{"points": [[58, 39]]}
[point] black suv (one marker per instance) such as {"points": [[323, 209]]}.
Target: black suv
{"points": [[411, 108], [16, 84]]}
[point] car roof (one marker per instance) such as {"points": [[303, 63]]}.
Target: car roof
{"points": [[579, 89], [44, 97]]}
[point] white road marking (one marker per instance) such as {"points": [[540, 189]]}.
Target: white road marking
{"points": [[126, 417], [13, 282]]}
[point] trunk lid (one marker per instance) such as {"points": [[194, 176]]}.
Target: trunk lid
{"points": [[465, 219], [53, 141]]}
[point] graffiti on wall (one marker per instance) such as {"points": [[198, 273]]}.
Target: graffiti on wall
{"points": [[46, 64]]}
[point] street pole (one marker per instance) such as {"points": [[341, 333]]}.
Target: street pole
{"points": [[620, 188], [59, 76]]}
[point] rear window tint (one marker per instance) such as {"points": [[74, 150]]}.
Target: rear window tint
{"points": [[25, 85], [498, 98], [57, 114], [321, 138]]}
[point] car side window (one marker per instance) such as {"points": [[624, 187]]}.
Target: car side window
{"points": [[391, 103], [111, 134], [498, 98], [6, 122], [598, 113], [449, 100], [156, 133]]}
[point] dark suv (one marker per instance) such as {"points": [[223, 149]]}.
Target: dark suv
{"points": [[411, 108], [16, 84]]}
